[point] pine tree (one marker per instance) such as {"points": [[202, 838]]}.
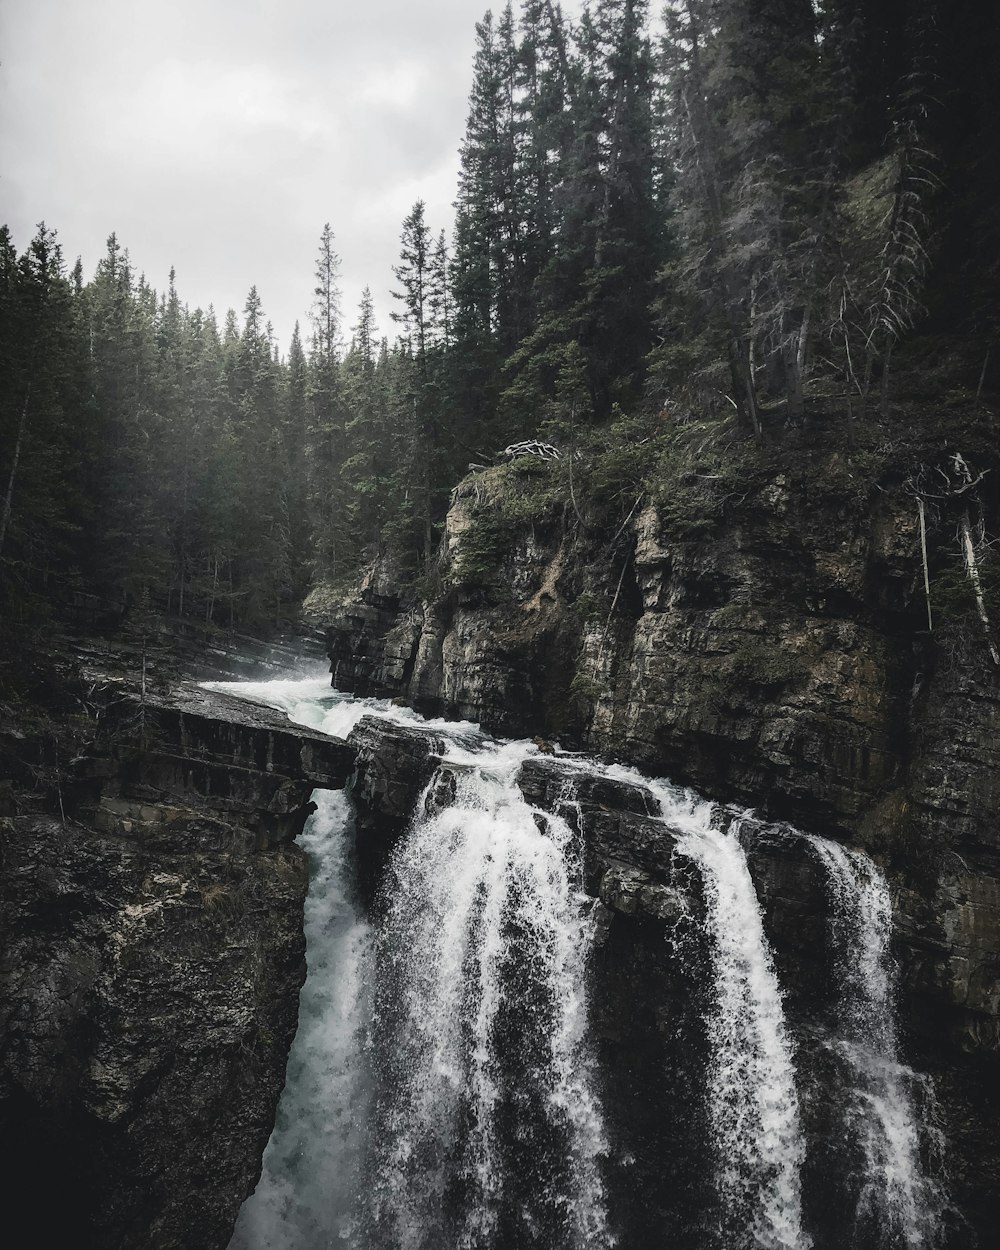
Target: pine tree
{"points": [[326, 417], [710, 271], [38, 483], [415, 275], [371, 443]]}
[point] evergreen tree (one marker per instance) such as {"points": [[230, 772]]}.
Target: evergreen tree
{"points": [[38, 480], [326, 417], [368, 470], [415, 276]]}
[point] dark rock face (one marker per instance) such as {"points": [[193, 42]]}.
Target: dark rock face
{"points": [[393, 766], [778, 660], [651, 970], [151, 953]]}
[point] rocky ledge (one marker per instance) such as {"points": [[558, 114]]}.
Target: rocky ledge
{"points": [[151, 954], [766, 645]]}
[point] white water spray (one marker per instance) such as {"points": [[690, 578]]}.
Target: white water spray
{"points": [[753, 1102], [306, 1194], [489, 1127], [472, 1119], [311, 702], [896, 1196], [487, 1123]]}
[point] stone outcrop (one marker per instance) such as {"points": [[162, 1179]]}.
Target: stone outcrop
{"points": [[778, 659], [151, 953], [772, 652]]}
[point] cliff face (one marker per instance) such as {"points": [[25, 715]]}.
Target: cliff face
{"points": [[773, 652], [151, 953], [650, 973]]}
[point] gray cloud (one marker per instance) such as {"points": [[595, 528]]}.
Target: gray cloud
{"points": [[218, 136]]}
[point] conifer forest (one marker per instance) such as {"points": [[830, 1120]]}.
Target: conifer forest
{"points": [[756, 214]]}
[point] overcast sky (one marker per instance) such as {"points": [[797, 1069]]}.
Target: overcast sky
{"points": [[219, 135]]}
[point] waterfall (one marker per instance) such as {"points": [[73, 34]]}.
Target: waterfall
{"points": [[306, 1195], [896, 1197], [753, 1102], [442, 1090], [465, 1114], [488, 1130]]}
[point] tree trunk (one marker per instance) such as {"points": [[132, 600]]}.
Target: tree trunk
{"points": [[743, 380], [982, 375], [793, 388], [923, 553], [8, 498], [797, 397], [866, 386], [184, 508], [428, 529], [215, 584], [972, 568], [884, 398]]}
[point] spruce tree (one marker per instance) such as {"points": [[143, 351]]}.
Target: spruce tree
{"points": [[326, 416]]}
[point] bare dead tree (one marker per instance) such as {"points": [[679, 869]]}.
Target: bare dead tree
{"points": [[957, 482]]}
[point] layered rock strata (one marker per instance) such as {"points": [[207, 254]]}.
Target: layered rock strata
{"points": [[651, 985], [151, 953], [771, 651]]}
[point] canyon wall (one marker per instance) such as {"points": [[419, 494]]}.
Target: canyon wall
{"points": [[772, 652], [151, 954]]}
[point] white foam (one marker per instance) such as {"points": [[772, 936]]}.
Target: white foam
{"points": [[305, 1199]]}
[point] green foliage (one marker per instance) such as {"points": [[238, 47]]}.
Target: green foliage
{"points": [[503, 502], [763, 664], [582, 697], [655, 253], [485, 545], [587, 605], [158, 461], [527, 489]]}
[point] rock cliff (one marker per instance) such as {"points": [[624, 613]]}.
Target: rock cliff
{"points": [[151, 953], [762, 637], [650, 975]]}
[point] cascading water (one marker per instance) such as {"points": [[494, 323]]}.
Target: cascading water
{"points": [[472, 1113], [898, 1204], [305, 1199], [488, 1130], [442, 1089], [753, 1102]]}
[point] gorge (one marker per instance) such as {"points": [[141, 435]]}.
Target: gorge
{"points": [[518, 771], [550, 1001]]}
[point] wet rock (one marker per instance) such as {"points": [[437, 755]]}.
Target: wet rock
{"points": [[394, 764], [775, 656], [151, 954]]}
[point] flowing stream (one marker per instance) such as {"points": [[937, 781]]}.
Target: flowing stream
{"points": [[306, 1195], [443, 1088]]}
